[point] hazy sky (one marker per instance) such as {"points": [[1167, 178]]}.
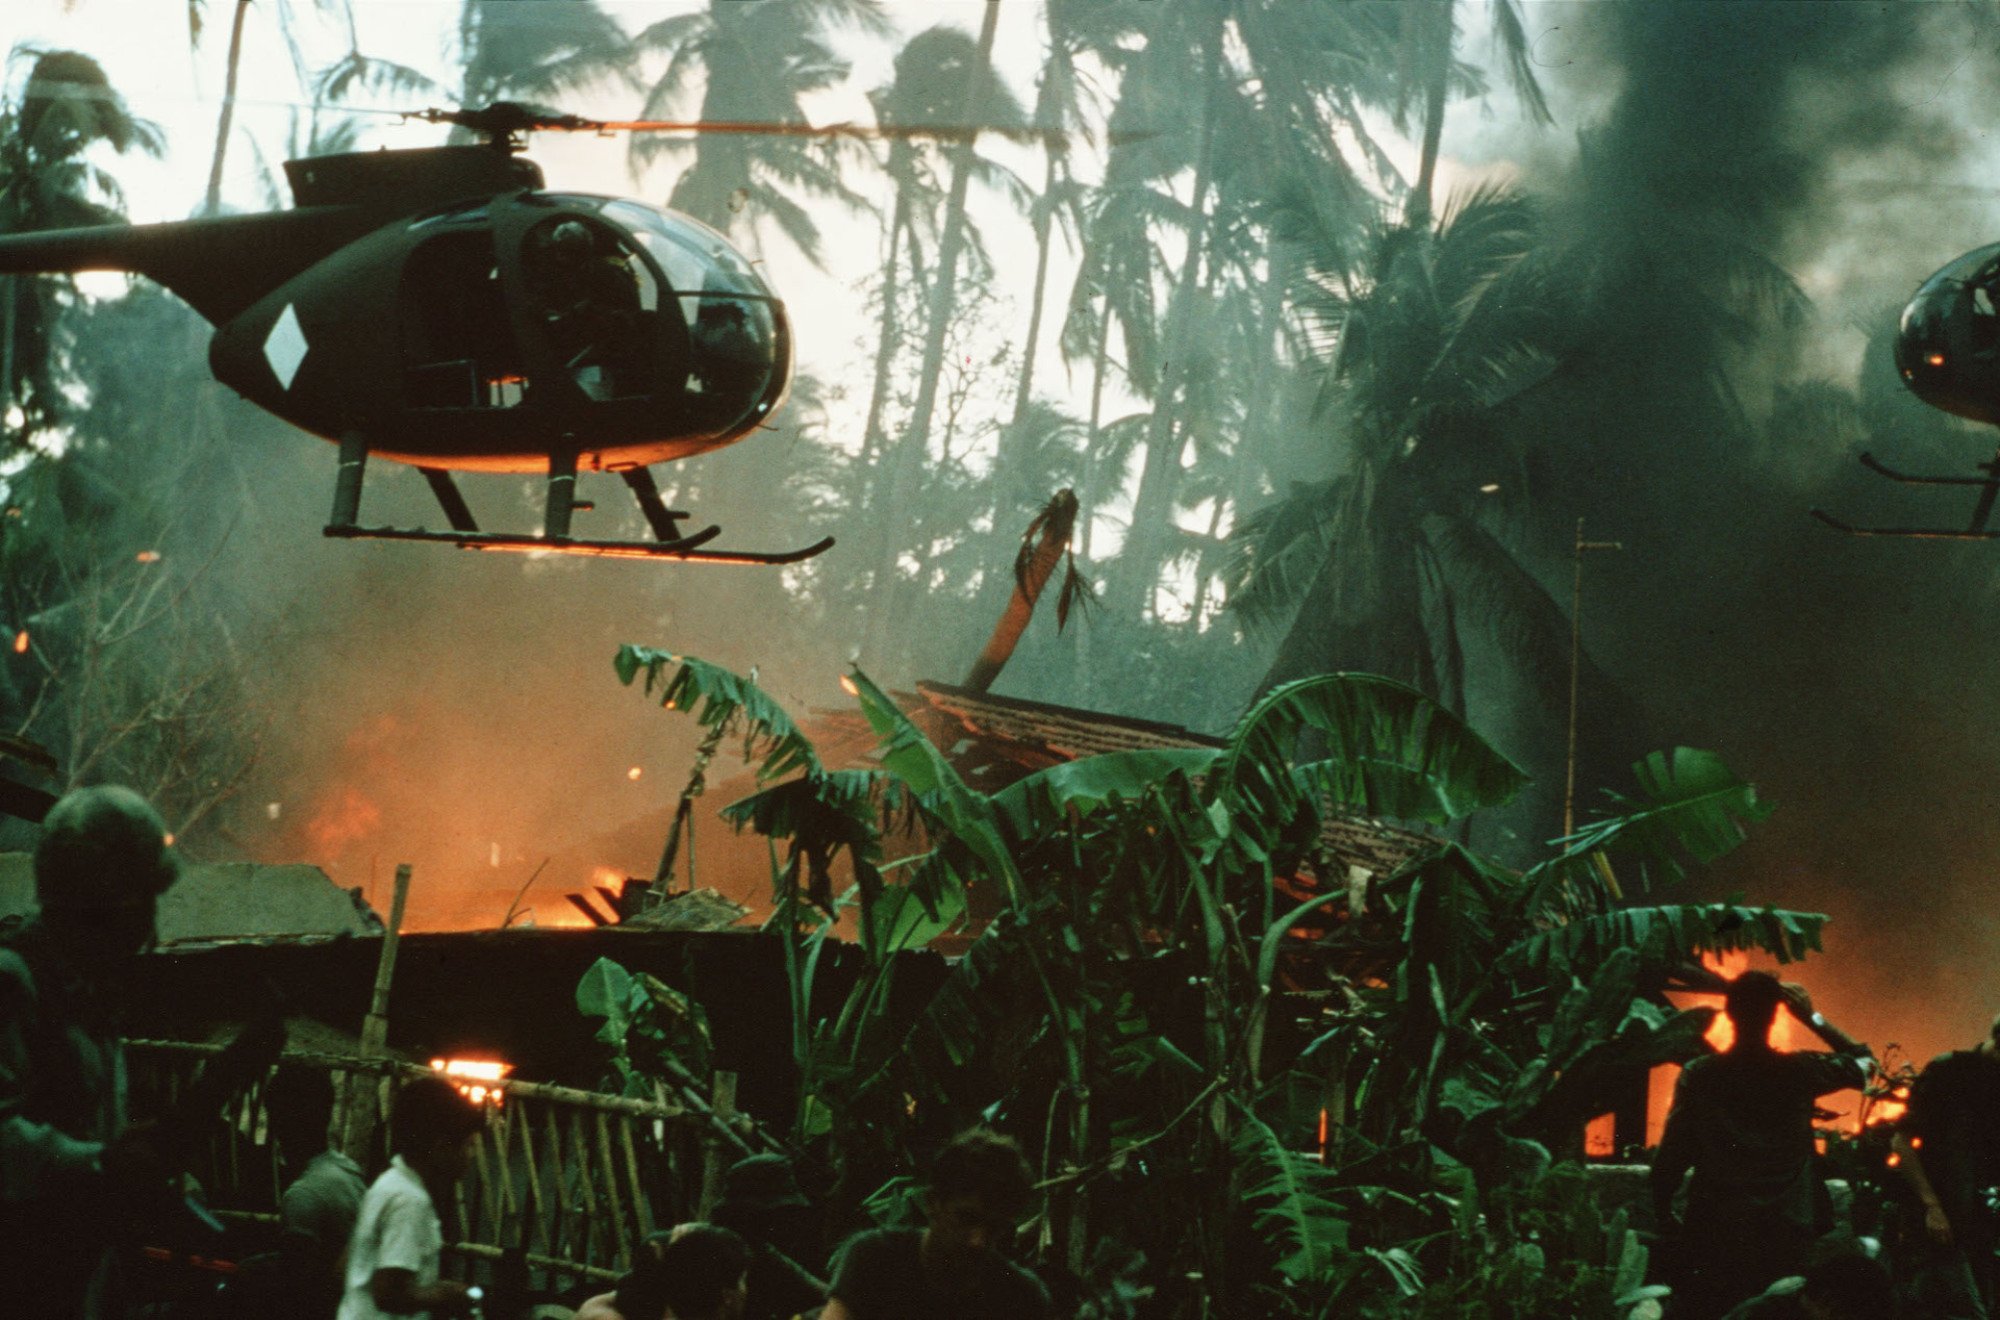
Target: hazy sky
{"points": [[144, 46]]}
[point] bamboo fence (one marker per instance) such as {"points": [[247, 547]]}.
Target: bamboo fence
{"points": [[573, 1180]]}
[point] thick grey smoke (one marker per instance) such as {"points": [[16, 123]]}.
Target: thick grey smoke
{"points": [[1703, 412]]}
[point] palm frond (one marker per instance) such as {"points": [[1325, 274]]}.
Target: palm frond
{"points": [[1290, 1197]]}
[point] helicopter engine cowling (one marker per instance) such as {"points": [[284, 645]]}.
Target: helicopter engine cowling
{"points": [[1948, 342]]}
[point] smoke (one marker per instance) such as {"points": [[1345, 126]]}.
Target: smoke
{"points": [[1706, 407]]}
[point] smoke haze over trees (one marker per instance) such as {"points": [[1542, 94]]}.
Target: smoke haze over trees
{"points": [[1277, 376]]}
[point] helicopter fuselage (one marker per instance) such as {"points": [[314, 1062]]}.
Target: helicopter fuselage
{"points": [[443, 306]]}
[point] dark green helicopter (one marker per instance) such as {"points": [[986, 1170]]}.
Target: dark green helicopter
{"points": [[439, 307], [1948, 354]]}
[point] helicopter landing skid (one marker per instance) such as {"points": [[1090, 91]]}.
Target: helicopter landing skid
{"points": [[668, 543], [1989, 489]]}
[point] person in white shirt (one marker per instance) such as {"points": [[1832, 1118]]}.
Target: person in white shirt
{"points": [[393, 1257]]}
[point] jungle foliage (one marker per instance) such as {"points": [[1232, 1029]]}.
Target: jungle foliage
{"points": [[1243, 1069]]}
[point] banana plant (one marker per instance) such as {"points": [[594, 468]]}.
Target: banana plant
{"points": [[1117, 1012]]}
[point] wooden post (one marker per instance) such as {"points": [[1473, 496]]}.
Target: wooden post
{"points": [[360, 1121], [714, 1157]]}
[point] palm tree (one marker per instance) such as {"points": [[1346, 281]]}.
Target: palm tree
{"points": [[54, 114], [942, 78], [757, 61], [1426, 37], [1278, 86], [537, 52], [1391, 565], [1062, 102]]}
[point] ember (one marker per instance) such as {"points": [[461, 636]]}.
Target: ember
{"points": [[471, 1075]]}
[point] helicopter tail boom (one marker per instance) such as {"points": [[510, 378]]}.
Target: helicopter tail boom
{"points": [[219, 267]]}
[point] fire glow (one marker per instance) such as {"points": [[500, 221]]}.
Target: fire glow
{"points": [[1786, 1034], [473, 1078]]}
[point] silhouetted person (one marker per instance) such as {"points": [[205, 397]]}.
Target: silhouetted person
{"points": [[70, 1167], [322, 1197], [703, 1273], [977, 1194], [398, 1242], [696, 1271], [1741, 1122], [1950, 1152], [592, 307], [761, 1200]]}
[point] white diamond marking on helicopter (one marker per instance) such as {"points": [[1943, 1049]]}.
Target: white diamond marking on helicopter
{"points": [[285, 346]]}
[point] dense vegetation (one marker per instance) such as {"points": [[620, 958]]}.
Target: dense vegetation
{"points": [[1243, 1071]]}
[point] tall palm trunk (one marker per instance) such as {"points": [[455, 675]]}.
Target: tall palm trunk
{"points": [[886, 344], [212, 202], [1044, 233], [908, 459], [1436, 92], [1100, 364], [1265, 401], [1153, 507]]}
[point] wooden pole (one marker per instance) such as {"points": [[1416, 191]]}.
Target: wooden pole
{"points": [[375, 1027], [713, 1161], [1575, 669]]}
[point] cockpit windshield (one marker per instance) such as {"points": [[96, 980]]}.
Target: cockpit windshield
{"points": [[731, 354], [696, 258]]}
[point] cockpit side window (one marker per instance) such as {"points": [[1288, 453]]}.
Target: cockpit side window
{"points": [[599, 303]]}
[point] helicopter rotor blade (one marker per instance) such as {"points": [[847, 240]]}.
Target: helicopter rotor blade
{"points": [[847, 129], [507, 117]]}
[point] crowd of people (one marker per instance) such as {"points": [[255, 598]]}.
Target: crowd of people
{"points": [[1744, 1222]]}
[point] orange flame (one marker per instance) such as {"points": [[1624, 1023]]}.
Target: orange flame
{"points": [[148, 556], [348, 818], [1890, 1108], [470, 1076], [635, 772], [21, 642], [848, 686]]}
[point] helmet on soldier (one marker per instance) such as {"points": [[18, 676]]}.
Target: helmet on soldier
{"points": [[102, 847]]}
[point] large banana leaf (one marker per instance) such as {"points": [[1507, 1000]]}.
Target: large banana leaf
{"points": [[914, 759], [821, 814], [1690, 810], [1602, 1033], [715, 696], [945, 1040], [1389, 751], [1664, 937], [1051, 799]]}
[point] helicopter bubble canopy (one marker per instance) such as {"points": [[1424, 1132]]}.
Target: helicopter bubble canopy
{"points": [[1948, 342]]}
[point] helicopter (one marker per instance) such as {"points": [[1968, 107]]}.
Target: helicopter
{"points": [[439, 307], [1948, 354]]}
